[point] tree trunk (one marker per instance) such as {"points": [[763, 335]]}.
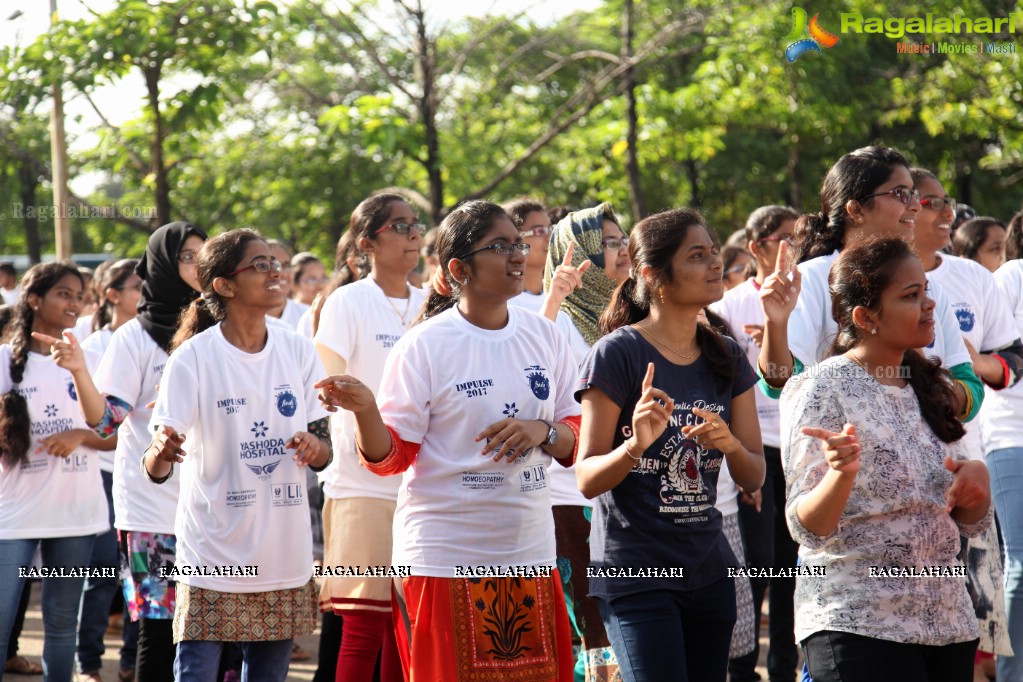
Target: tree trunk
{"points": [[427, 106], [631, 155], [158, 169], [29, 180]]}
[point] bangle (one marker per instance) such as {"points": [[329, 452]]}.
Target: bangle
{"points": [[629, 455], [969, 400]]}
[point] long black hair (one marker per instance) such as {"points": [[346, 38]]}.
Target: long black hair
{"points": [[859, 277], [15, 427], [654, 241], [113, 277], [218, 257], [854, 177], [466, 225]]}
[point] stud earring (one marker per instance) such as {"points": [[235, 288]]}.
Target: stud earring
{"points": [[873, 332]]}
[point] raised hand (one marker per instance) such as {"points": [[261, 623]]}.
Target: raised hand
{"points": [[779, 292], [971, 485], [712, 433], [652, 413], [566, 277], [756, 332], [346, 392], [511, 437], [841, 450], [66, 352], [166, 445]]}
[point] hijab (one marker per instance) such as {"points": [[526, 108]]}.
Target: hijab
{"points": [[164, 293], [586, 229]]}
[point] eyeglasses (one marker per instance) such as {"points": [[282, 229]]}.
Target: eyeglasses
{"points": [[538, 232], [262, 266], [403, 228], [187, 257], [939, 203], [502, 249], [787, 238], [906, 195], [137, 286], [615, 243]]}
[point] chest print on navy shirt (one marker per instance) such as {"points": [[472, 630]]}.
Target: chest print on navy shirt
{"points": [[681, 462]]}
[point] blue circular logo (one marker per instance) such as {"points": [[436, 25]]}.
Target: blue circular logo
{"points": [[286, 403]]}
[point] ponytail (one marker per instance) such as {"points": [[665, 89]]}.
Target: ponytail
{"points": [[200, 315], [442, 296], [817, 236], [629, 304], [933, 388]]}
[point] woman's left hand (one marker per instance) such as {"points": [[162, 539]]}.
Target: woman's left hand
{"points": [[512, 436], [712, 433], [65, 352], [64, 443], [306, 447], [971, 484]]}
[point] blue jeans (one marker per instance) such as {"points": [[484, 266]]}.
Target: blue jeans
{"points": [[662, 636], [99, 592], [60, 598], [197, 661], [1006, 467]]}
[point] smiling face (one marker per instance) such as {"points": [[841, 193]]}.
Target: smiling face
{"points": [[905, 318], [885, 214], [616, 261], [696, 270], [933, 229], [250, 287], [58, 309], [490, 274]]}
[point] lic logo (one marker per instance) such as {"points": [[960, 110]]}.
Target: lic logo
{"points": [[286, 494], [818, 36]]}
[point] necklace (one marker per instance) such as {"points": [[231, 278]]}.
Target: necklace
{"points": [[664, 345]]}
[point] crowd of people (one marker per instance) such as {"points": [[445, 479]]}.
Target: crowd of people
{"points": [[528, 444]]}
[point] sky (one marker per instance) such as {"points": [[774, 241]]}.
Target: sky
{"points": [[21, 21]]}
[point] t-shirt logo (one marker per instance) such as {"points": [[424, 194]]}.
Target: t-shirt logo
{"points": [[71, 391], [258, 429], [265, 470], [51, 411], [683, 473], [286, 403], [966, 317], [538, 382]]}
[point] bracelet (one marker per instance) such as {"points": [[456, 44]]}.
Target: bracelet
{"points": [[969, 399], [627, 454]]}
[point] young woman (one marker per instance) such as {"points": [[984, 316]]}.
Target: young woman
{"points": [[737, 262], [982, 240], [308, 277], [587, 258], [125, 384], [237, 411], [359, 325], [51, 492], [867, 193], [764, 532], [474, 437], [120, 289], [879, 488], [290, 312], [651, 454]]}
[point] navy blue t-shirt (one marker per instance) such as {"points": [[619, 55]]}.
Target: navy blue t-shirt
{"points": [[662, 515]]}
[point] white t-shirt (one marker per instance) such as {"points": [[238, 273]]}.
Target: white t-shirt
{"points": [[741, 306], [292, 314], [812, 329], [1002, 412], [305, 324], [10, 296], [243, 498], [130, 370], [358, 323], [564, 486], [93, 349], [983, 317], [445, 382], [49, 496], [83, 328]]}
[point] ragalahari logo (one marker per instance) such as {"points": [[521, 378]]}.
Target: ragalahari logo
{"points": [[818, 36]]}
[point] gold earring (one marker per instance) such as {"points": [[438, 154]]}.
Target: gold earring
{"points": [[660, 294]]}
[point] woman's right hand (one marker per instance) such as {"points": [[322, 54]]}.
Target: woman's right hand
{"points": [[780, 291], [346, 392], [841, 450], [566, 277], [166, 445], [651, 415], [66, 352]]}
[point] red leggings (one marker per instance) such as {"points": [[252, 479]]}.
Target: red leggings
{"points": [[364, 636]]}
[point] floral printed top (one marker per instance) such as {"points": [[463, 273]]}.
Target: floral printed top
{"points": [[857, 579]]}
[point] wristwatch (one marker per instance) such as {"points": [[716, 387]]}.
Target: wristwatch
{"points": [[552, 434]]}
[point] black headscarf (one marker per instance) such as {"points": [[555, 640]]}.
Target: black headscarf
{"points": [[164, 293]]}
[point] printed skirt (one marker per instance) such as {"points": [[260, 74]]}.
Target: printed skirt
{"points": [[209, 615]]}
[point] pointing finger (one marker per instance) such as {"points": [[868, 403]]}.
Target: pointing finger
{"points": [[648, 380], [781, 260], [585, 266], [567, 260], [45, 338]]}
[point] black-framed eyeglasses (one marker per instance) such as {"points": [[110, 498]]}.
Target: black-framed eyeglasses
{"points": [[404, 228], [137, 285], [538, 232], [615, 243], [261, 266], [187, 257], [939, 203], [906, 195], [502, 249]]}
